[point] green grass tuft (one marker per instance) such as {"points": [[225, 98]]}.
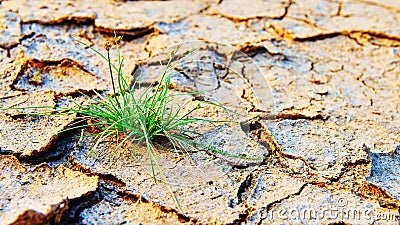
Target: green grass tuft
{"points": [[143, 115]]}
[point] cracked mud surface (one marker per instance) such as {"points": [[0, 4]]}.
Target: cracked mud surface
{"points": [[40, 195], [326, 73]]}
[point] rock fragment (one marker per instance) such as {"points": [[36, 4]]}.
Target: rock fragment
{"points": [[271, 185]]}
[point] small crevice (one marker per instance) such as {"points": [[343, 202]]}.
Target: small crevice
{"points": [[138, 198], [339, 223], [348, 166], [376, 3], [8, 49], [372, 191], [43, 65], [339, 11], [298, 116], [128, 34], [64, 21], [374, 38], [77, 205], [242, 218], [286, 10], [74, 165], [272, 204], [244, 188], [238, 20], [290, 116], [318, 37], [287, 156], [359, 36], [53, 216], [59, 150], [13, 45], [65, 62], [252, 50]]}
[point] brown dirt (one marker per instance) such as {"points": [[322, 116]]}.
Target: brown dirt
{"points": [[321, 84]]}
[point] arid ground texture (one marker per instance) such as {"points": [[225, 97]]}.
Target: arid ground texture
{"points": [[317, 83]]}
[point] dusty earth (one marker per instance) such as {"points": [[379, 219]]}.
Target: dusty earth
{"points": [[326, 74]]}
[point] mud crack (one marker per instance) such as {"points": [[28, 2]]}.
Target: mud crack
{"points": [[361, 37]]}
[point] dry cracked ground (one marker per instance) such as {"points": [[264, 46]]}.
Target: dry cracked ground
{"points": [[328, 72]]}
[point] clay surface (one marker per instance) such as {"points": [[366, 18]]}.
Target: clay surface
{"points": [[313, 88], [39, 196]]}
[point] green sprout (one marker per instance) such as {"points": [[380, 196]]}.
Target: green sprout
{"points": [[36, 74]]}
